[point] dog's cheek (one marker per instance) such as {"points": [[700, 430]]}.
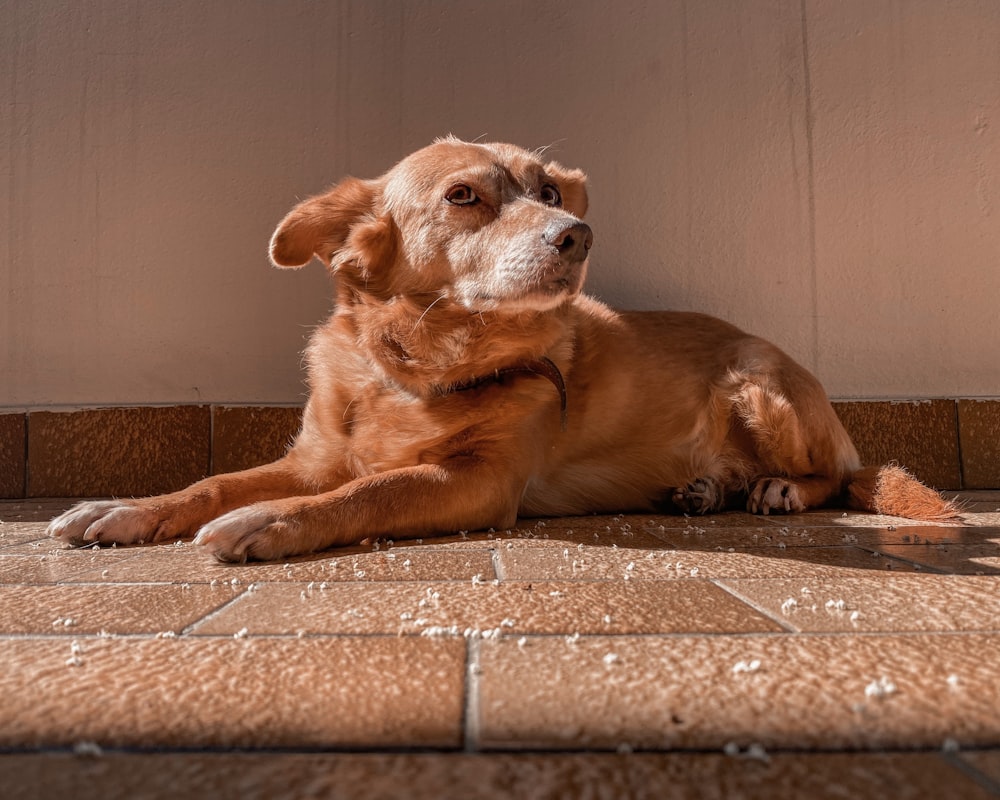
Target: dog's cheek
{"points": [[373, 248]]}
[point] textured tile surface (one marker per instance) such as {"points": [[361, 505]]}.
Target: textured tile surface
{"points": [[190, 563], [921, 436], [902, 776], [598, 563], [879, 603], [987, 762], [274, 693], [509, 608], [979, 432], [808, 692], [12, 455], [132, 451], [585, 634], [981, 558], [248, 436], [84, 609]]}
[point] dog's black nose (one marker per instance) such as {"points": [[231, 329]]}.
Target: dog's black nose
{"points": [[572, 241]]}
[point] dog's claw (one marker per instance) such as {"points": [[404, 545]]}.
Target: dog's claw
{"points": [[776, 494]]}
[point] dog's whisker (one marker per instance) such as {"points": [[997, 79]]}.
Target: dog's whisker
{"points": [[433, 303]]}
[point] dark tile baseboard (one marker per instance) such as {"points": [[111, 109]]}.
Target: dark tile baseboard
{"points": [[950, 444], [136, 451]]}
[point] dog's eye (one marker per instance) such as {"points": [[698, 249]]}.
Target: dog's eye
{"points": [[550, 195], [461, 195]]}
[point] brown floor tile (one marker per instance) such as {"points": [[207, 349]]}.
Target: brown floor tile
{"points": [[961, 559], [18, 533], [508, 609], [12, 455], [61, 566], [987, 763], [523, 563], [809, 691], [879, 602], [979, 432], [628, 525], [262, 693], [835, 517], [248, 436], [710, 776], [34, 510], [794, 536], [85, 609], [188, 563], [922, 436], [129, 451]]}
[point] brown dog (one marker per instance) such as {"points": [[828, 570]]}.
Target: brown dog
{"points": [[464, 379]]}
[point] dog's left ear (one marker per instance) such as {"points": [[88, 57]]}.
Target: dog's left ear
{"points": [[573, 185], [321, 225]]}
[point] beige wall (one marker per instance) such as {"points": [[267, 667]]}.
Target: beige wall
{"points": [[825, 173]]}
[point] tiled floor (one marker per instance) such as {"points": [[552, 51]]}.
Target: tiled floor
{"points": [[822, 655]]}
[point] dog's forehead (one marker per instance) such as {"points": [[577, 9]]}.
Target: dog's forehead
{"points": [[426, 169]]}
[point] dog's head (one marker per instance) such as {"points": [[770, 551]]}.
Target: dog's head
{"points": [[490, 227]]}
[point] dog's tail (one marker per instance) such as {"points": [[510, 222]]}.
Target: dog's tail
{"points": [[894, 491]]}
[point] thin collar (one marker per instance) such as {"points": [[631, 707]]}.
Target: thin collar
{"points": [[541, 366]]}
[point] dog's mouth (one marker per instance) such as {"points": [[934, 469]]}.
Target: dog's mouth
{"points": [[544, 288]]}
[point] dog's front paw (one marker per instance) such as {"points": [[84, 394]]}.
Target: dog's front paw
{"points": [[108, 522], [775, 494], [255, 533], [702, 496]]}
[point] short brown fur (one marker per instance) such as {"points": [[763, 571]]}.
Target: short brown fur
{"points": [[457, 273]]}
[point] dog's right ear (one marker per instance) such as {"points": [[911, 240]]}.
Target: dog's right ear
{"points": [[320, 225]]}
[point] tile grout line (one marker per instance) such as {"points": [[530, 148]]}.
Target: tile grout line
{"points": [[498, 569], [919, 565], [787, 626], [192, 626], [27, 463], [470, 726], [972, 772], [958, 446]]}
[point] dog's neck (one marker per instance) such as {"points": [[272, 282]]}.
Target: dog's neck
{"points": [[543, 367], [424, 347]]}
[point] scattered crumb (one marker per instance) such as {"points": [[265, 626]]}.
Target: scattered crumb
{"points": [[610, 658], [241, 633], [747, 666], [87, 749], [440, 630], [881, 688]]}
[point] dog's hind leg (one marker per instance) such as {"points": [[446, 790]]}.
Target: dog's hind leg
{"points": [[800, 463]]}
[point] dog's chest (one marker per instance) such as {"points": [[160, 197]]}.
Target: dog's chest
{"points": [[392, 430]]}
